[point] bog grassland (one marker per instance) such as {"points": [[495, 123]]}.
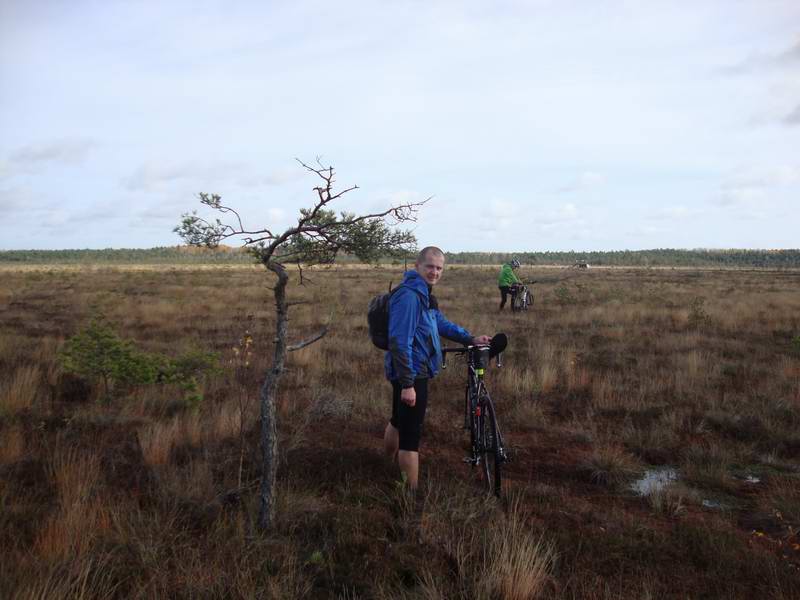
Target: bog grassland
{"points": [[117, 484]]}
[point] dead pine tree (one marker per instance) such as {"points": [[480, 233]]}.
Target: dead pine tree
{"points": [[318, 237]]}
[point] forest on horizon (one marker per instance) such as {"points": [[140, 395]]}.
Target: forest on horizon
{"points": [[659, 257]]}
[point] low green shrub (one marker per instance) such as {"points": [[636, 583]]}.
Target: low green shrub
{"points": [[564, 296], [698, 317], [98, 354]]}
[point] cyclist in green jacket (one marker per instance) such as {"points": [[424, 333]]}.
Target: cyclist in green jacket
{"points": [[507, 279]]}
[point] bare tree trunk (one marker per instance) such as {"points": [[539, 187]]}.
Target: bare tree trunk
{"points": [[269, 430]]}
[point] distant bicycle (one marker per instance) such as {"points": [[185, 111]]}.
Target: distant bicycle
{"points": [[521, 296], [486, 442]]}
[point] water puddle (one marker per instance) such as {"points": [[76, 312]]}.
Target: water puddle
{"points": [[654, 480], [714, 505]]}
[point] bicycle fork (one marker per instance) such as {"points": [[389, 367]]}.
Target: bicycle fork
{"points": [[471, 414]]}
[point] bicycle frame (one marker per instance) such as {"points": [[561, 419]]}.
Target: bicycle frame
{"points": [[486, 441], [521, 297]]}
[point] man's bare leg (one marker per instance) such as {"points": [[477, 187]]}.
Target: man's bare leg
{"points": [[409, 464], [408, 460], [391, 442]]}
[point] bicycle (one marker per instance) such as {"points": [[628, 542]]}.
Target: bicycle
{"points": [[486, 441], [521, 296]]}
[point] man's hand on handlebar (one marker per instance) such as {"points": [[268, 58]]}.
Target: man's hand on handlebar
{"points": [[481, 340]]}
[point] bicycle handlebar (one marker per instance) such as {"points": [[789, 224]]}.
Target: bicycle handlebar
{"points": [[463, 349]]}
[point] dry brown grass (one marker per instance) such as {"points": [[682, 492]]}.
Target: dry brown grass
{"points": [[74, 472], [517, 562], [547, 377], [623, 375], [21, 391], [71, 531], [225, 421], [611, 466], [12, 447], [157, 441], [78, 580], [81, 516], [192, 481]]}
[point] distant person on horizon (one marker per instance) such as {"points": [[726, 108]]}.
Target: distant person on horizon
{"points": [[507, 279], [415, 355]]}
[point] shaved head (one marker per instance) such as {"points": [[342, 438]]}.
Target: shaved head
{"points": [[423, 254]]}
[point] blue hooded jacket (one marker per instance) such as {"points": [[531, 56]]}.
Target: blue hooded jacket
{"points": [[415, 349]]}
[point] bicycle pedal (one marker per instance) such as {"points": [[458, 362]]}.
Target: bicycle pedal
{"points": [[470, 461]]}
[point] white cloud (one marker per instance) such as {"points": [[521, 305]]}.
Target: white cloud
{"points": [[678, 212], [566, 213], [56, 218], [158, 214], [66, 151], [793, 118], [159, 176], [737, 195], [585, 180], [778, 175], [755, 186], [758, 61], [650, 230], [16, 200], [35, 158], [156, 176], [500, 217], [791, 56], [383, 201], [503, 210], [276, 215], [277, 177]]}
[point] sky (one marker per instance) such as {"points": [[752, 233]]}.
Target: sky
{"points": [[532, 125]]}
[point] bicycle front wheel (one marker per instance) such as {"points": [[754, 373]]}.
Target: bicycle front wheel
{"points": [[490, 449]]}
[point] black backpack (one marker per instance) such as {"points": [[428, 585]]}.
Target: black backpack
{"points": [[378, 319]]}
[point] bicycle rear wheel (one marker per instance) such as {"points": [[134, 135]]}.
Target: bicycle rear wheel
{"points": [[490, 448]]}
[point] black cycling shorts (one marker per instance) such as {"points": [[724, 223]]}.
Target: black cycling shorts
{"points": [[408, 419], [504, 291]]}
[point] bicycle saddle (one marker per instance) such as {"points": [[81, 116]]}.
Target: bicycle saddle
{"points": [[498, 344]]}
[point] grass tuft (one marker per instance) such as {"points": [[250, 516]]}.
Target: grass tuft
{"points": [[610, 466], [19, 393]]}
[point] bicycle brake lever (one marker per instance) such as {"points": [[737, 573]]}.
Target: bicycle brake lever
{"points": [[499, 360]]}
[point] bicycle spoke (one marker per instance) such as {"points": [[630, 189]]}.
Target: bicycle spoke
{"points": [[492, 451], [484, 442]]}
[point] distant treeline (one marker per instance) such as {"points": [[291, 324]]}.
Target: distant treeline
{"points": [[773, 259], [165, 255], [661, 257]]}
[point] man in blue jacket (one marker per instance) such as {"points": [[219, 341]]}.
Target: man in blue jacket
{"points": [[415, 355]]}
